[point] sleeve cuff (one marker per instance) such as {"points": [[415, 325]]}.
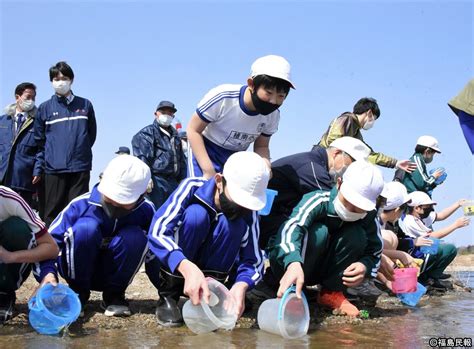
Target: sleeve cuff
{"points": [[174, 259], [292, 258], [202, 116], [247, 280]]}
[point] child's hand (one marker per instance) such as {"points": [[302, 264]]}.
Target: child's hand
{"points": [[5, 256], [462, 222], [423, 241], [461, 202], [438, 173]]}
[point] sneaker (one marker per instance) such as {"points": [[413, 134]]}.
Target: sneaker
{"points": [[366, 289], [115, 304], [7, 302], [336, 300]]}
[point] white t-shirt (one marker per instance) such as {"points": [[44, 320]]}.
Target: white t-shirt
{"points": [[231, 125], [415, 227]]}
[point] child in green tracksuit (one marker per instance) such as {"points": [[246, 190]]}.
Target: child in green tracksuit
{"points": [[419, 179], [332, 238]]}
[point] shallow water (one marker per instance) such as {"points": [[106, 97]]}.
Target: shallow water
{"points": [[449, 316]]}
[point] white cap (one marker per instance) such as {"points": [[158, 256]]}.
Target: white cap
{"points": [[247, 175], [361, 185], [430, 142], [124, 179], [419, 198], [396, 195], [274, 66], [352, 146]]}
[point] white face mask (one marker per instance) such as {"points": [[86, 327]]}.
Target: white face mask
{"points": [[345, 214], [62, 87], [165, 120], [26, 104], [368, 124]]}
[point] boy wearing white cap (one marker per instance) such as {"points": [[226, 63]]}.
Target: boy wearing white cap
{"points": [[419, 179], [102, 234], [231, 117], [332, 238], [417, 226], [298, 174], [203, 229]]}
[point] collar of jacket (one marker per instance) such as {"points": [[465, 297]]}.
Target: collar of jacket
{"points": [[320, 155], [205, 194], [10, 110], [331, 211], [171, 130]]}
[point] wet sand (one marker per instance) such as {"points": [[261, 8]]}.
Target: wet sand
{"points": [[143, 296]]}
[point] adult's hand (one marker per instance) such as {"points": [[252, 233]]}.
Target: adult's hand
{"points": [[406, 165], [36, 179]]}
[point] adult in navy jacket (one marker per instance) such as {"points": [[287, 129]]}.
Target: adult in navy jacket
{"points": [[19, 169], [203, 229], [102, 235], [65, 131]]}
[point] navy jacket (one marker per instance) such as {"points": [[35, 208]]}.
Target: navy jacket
{"points": [[161, 150], [65, 134], [18, 162]]}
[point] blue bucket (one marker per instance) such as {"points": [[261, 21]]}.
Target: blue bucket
{"points": [[412, 299], [268, 206], [441, 178], [433, 249], [53, 309]]}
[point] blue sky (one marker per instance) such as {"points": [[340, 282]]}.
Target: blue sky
{"points": [[127, 56]]}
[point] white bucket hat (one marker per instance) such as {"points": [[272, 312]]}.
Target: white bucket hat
{"points": [[430, 142], [361, 185], [274, 66], [352, 146], [247, 175], [419, 198], [396, 195], [124, 179]]}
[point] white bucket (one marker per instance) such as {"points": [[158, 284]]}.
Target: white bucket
{"points": [[288, 316]]}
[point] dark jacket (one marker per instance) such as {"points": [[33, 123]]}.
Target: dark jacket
{"points": [[65, 134], [18, 162], [161, 150]]}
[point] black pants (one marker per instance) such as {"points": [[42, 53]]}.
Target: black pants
{"points": [[60, 189]]}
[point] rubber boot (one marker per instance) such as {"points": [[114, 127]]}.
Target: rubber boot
{"points": [[167, 311]]}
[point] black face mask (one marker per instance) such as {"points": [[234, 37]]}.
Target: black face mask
{"points": [[426, 212], [114, 212], [230, 209], [263, 107]]}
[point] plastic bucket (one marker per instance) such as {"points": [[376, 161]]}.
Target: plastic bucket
{"points": [[405, 280], [468, 208], [288, 316], [268, 206], [412, 298], [53, 308], [433, 249], [441, 178], [219, 313]]}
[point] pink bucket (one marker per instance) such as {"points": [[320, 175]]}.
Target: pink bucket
{"points": [[405, 280]]}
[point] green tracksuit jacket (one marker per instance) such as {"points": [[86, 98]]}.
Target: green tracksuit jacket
{"points": [[418, 180]]}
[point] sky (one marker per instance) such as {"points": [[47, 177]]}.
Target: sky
{"points": [[413, 57]]}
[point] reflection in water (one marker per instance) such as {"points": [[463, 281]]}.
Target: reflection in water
{"points": [[450, 316]]}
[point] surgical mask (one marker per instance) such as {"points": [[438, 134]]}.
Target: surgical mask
{"points": [[335, 174], [114, 212], [26, 104], [263, 107], [345, 214], [62, 87], [165, 120], [230, 209], [368, 124]]}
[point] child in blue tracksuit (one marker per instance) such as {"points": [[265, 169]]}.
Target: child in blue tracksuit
{"points": [[102, 234], [201, 230]]}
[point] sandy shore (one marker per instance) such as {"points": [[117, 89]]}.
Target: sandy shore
{"points": [[143, 296]]}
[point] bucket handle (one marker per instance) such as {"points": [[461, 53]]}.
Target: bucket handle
{"points": [[290, 289]]}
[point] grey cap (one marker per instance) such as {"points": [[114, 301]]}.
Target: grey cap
{"points": [[166, 104]]}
